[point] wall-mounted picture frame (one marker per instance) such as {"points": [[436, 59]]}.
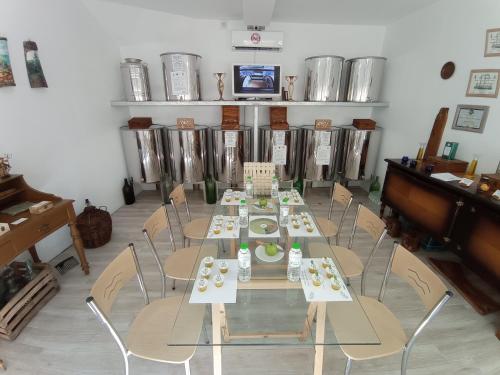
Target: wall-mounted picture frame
{"points": [[471, 118], [492, 43], [483, 83]]}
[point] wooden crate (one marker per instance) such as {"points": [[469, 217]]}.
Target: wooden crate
{"points": [[19, 311]]}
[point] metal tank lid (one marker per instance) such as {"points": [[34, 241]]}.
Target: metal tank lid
{"points": [[180, 53], [131, 60], [152, 127], [319, 56], [218, 128], [368, 57], [312, 127], [290, 128], [353, 128], [173, 128]]}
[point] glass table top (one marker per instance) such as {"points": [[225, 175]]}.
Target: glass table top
{"points": [[269, 309]]}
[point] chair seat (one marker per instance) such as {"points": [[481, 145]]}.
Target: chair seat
{"points": [[180, 264], [328, 227], [349, 261], [151, 330], [196, 229], [386, 325]]}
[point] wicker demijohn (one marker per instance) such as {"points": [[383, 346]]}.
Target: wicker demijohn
{"points": [[95, 226]]}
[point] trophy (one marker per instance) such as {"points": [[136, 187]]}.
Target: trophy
{"points": [[220, 84], [291, 80]]}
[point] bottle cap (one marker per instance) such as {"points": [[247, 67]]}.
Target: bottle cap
{"points": [[244, 246], [285, 200], [296, 245], [243, 201]]}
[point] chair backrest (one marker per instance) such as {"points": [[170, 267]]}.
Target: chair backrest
{"points": [[426, 283], [157, 222], [114, 277], [177, 197], [375, 227], [342, 196], [262, 176], [432, 291]]}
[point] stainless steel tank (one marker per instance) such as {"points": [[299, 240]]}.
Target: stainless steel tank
{"points": [[181, 76], [359, 152], [281, 147], [319, 153], [187, 153], [135, 79], [362, 79], [231, 148], [144, 153], [323, 74]]}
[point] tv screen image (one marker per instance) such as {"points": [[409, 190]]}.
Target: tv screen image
{"points": [[258, 80]]}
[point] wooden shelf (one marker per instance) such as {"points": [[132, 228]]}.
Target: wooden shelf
{"points": [[249, 103]]}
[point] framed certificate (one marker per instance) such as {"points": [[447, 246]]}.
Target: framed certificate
{"points": [[483, 83], [471, 118], [492, 43]]}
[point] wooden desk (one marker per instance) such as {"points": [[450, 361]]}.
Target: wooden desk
{"points": [[468, 222], [24, 236]]}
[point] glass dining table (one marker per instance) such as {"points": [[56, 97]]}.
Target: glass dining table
{"points": [[269, 310]]}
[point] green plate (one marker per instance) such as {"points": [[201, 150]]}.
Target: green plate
{"points": [[263, 226]]}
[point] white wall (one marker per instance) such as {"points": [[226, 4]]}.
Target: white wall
{"points": [[63, 138], [417, 46], [146, 34]]}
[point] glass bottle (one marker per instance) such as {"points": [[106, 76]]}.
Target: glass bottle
{"points": [[421, 151], [471, 169], [128, 192], [210, 190]]}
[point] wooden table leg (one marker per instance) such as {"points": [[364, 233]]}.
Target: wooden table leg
{"points": [[77, 240], [216, 338], [320, 338], [311, 311], [34, 256]]}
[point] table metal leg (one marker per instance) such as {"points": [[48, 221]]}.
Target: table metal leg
{"points": [[320, 338], [216, 337]]}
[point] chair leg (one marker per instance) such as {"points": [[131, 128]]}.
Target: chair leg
{"points": [[173, 284], [187, 368], [184, 242], [207, 339], [348, 281], [337, 239], [404, 362], [348, 366]]}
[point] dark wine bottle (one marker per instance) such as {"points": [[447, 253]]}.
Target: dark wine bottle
{"points": [[210, 190], [128, 192]]}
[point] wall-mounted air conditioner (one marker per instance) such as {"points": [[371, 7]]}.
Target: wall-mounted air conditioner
{"points": [[257, 40]]}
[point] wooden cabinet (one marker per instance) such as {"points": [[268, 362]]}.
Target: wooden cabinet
{"points": [[24, 236], [468, 222]]}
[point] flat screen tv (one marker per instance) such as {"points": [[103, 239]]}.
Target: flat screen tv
{"points": [[256, 80]]}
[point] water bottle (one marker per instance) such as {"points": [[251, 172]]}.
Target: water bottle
{"points": [[244, 263], [284, 212], [294, 261], [275, 187], [249, 187], [243, 213]]}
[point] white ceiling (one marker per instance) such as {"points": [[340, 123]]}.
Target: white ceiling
{"points": [[365, 12]]}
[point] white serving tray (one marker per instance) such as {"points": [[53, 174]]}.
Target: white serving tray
{"points": [[252, 234], [323, 293], [226, 293], [283, 194], [302, 231], [224, 233], [232, 202]]}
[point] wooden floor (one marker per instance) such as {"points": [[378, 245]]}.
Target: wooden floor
{"points": [[65, 338]]}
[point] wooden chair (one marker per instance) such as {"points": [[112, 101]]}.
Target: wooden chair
{"points": [[262, 176], [195, 229], [328, 227], [432, 291], [152, 328], [179, 265], [349, 262]]}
